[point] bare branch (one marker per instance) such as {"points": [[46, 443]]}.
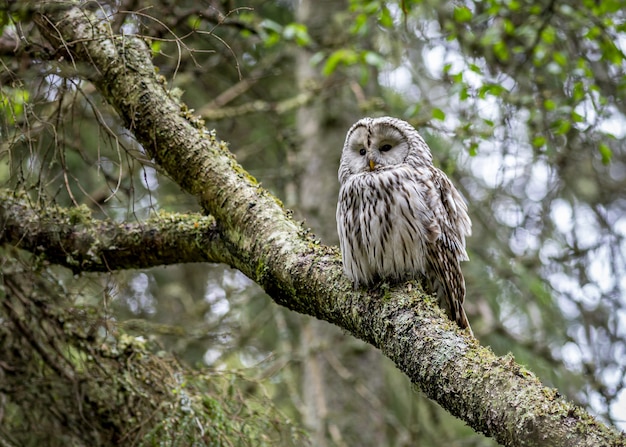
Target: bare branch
{"points": [[258, 107]]}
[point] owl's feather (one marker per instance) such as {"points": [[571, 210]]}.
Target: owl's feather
{"points": [[404, 218]]}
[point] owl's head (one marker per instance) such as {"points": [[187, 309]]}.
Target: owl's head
{"points": [[375, 144]]}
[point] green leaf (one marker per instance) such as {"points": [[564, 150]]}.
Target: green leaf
{"points": [[273, 30], [593, 33], [561, 126], [371, 8], [457, 78], [577, 118], [539, 141], [560, 58], [343, 56], [462, 14], [360, 24], [535, 10], [611, 6], [548, 35], [509, 27], [438, 114], [271, 39], [473, 149], [490, 89], [578, 92], [12, 101], [514, 5], [385, 19], [155, 46], [610, 52], [539, 290], [463, 93], [297, 32], [606, 153], [501, 51]]}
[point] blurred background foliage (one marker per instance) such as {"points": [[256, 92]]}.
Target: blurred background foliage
{"points": [[522, 103]]}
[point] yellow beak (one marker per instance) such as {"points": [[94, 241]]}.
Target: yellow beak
{"points": [[372, 165]]}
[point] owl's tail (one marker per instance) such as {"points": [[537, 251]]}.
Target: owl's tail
{"points": [[445, 279], [463, 322]]}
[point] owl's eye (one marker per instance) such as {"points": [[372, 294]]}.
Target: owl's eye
{"points": [[385, 147], [362, 151]]}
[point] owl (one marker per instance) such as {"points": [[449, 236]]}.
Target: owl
{"points": [[398, 216]]}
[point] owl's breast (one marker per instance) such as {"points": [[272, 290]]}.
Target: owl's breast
{"points": [[386, 224]]}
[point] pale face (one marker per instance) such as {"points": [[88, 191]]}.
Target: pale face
{"points": [[373, 145]]}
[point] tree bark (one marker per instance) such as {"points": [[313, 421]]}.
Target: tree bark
{"points": [[72, 238], [493, 395]]}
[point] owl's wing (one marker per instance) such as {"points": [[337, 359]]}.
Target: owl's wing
{"points": [[446, 253], [452, 213]]}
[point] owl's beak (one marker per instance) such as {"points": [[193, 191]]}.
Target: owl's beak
{"points": [[372, 165]]}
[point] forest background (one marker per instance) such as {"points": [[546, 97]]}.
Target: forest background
{"points": [[522, 104]]}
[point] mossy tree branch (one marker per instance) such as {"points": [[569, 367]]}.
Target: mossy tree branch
{"points": [[72, 238], [493, 395]]}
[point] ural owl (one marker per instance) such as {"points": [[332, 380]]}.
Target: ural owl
{"points": [[398, 216]]}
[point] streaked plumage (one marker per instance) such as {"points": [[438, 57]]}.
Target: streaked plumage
{"points": [[398, 216]]}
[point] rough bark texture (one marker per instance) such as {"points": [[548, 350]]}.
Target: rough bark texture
{"points": [[72, 238], [493, 395]]}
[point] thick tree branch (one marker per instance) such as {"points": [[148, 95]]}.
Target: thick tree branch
{"points": [[74, 239], [493, 395]]}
